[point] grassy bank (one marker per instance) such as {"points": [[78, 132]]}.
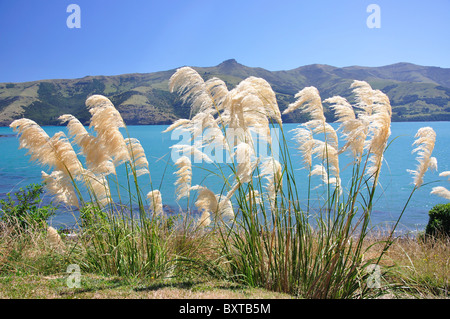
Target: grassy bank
{"points": [[101, 287], [31, 267]]}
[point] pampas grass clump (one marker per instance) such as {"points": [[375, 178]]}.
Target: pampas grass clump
{"points": [[266, 235], [287, 260]]}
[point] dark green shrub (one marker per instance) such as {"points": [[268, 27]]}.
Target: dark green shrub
{"points": [[439, 222], [27, 209]]}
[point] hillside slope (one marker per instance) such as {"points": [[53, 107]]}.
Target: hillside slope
{"points": [[417, 93]]}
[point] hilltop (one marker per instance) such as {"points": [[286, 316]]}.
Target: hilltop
{"points": [[417, 93]]}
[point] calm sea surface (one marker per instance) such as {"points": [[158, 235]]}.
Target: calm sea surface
{"points": [[396, 184]]}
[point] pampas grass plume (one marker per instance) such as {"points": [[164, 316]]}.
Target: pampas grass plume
{"points": [[107, 121], [426, 138], [54, 238], [137, 155], [184, 174], [190, 85], [97, 159], [440, 190], [155, 199]]}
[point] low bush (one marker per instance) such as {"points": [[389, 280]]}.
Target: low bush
{"points": [[439, 222], [27, 209]]}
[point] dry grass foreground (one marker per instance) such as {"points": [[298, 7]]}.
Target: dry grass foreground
{"points": [[100, 287], [32, 269]]}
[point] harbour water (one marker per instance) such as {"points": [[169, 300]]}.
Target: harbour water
{"points": [[17, 171]]}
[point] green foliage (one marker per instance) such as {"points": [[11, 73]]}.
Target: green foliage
{"points": [[439, 222], [27, 209], [52, 103]]}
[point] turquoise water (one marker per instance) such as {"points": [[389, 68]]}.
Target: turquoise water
{"points": [[396, 184]]}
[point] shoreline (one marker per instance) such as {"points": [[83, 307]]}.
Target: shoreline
{"points": [[380, 230], [168, 124]]}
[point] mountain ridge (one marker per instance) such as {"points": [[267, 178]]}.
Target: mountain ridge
{"points": [[417, 93]]}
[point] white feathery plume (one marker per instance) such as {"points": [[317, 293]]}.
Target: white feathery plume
{"points": [[271, 170], [60, 186], [201, 125], [248, 106], [364, 96], [214, 138], [137, 155], [177, 124], [224, 207], [330, 155], [98, 187], [188, 150], [205, 219], [191, 86], [245, 166], [55, 152], [206, 199], [310, 100], [206, 203], [33, 138], [200, 122], [426, 138], [97, 100], [97, 160], [445, 174], [204, 125], [54, 238], [263, 91], [184, 174], [377, 111], [245, 108], [343, 109], [253, 196], [441, 191], [320, 170], [209, 203], [244, 153], [255, 117], [107, 121], [218, 90], [254, 94], [354, 129], [318, 127], [155, 199], [233, 115], [65, 158], [305, 144]]}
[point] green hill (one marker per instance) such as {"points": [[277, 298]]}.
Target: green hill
{"points": [[417, 93]]}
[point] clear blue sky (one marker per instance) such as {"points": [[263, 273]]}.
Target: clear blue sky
{"points": [[118, 36]]}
